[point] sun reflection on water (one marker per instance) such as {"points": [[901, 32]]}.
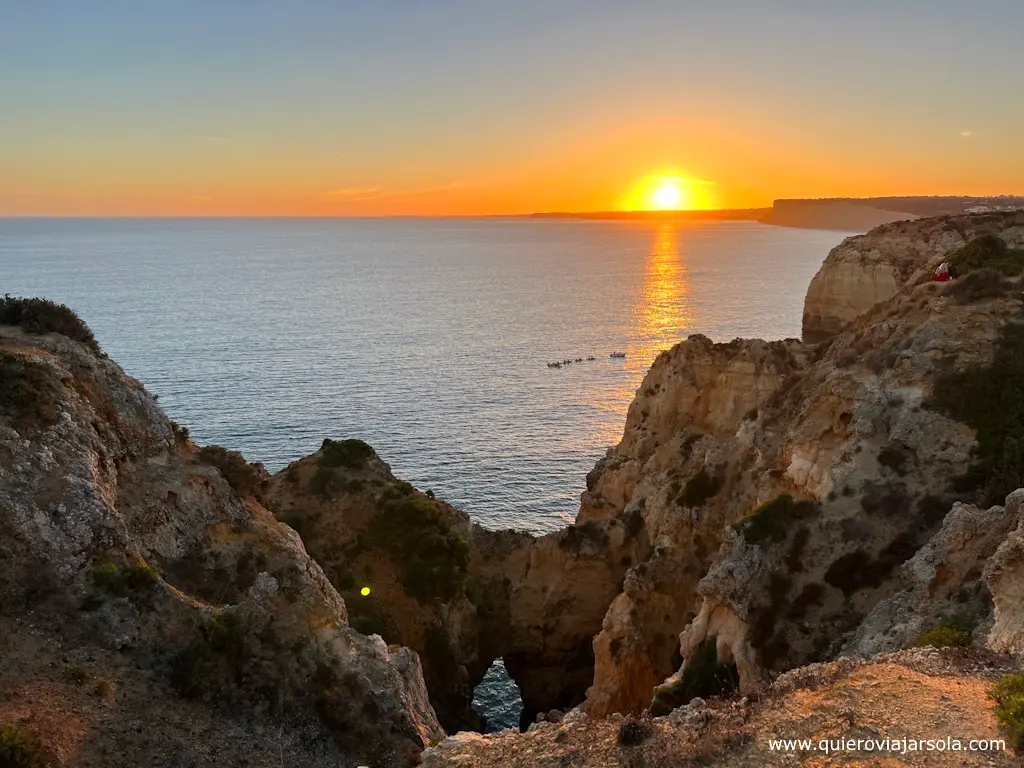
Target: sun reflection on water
{"points": [[662, 316]]}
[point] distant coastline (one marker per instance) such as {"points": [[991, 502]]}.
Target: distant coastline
{"points": [[716, 214], [840, 213]]}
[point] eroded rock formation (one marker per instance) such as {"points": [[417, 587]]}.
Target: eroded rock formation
{"points": [[460, 595], [800, 510]]}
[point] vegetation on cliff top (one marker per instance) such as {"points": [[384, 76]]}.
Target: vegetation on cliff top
{"points": [[1009, 696], [978, 286], [988, 252], [44, 316], [416, 534], [242, 476], [350, 453], [990, 398]]}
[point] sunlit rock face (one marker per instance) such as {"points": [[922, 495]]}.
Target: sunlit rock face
{"points": [[845, 429], [867, 269]]}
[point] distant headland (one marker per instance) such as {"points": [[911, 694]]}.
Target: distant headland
{"points": [[840, 213]]}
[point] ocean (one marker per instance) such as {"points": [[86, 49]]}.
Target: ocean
{"points": [[428, 338]]}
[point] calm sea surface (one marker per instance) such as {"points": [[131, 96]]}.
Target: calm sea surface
{"points": [[428, 338]]}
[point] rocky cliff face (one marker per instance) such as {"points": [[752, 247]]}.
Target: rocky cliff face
{"points": [[783, 486], [460, 595], [867, 269], [152, 611], [681, 468]]}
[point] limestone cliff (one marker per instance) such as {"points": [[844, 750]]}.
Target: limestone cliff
{"points": [[460, 595], [782, 486], [867, 269], [152, 611]]}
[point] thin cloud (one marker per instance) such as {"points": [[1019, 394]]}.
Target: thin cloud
{"points": [[687, 180], [966, 134], [353, 194]]}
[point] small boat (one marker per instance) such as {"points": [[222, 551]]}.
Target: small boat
{"points": [[617, 354]]}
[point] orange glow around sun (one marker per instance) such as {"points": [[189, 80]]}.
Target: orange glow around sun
{"points": [[668, 193]]}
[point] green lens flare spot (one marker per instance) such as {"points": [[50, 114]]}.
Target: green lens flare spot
{"points": [[364, 591]]}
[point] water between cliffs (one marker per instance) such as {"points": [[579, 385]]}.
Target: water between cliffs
{"points": [[429, 338]]}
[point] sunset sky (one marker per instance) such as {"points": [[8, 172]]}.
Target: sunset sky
{"points": [[338, 107]]}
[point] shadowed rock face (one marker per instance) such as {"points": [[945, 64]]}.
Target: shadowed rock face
{"points": [[536, 602], [867, 269], [128, 561]]}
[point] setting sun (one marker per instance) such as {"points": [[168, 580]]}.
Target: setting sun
{"points": [[668, 195], [661, 192]]}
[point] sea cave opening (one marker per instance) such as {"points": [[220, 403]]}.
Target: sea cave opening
{"points": [[498, 699]]}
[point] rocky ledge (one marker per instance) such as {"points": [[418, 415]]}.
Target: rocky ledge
{"points": [[867, 269]]}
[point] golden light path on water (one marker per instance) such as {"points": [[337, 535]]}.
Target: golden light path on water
{"points": [[663, 315]]}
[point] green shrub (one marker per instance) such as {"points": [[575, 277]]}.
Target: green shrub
{"points": [[44, 316], [698, 490], [704, 676], [988, 252], [415, 533], [943, 637], [952, 632], [27, 393], [770, 521], [20, 748], [1009, 696], [978, 286], [181, 433], [990, 398], [133, 579], [351, 453], [242, 476]]}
